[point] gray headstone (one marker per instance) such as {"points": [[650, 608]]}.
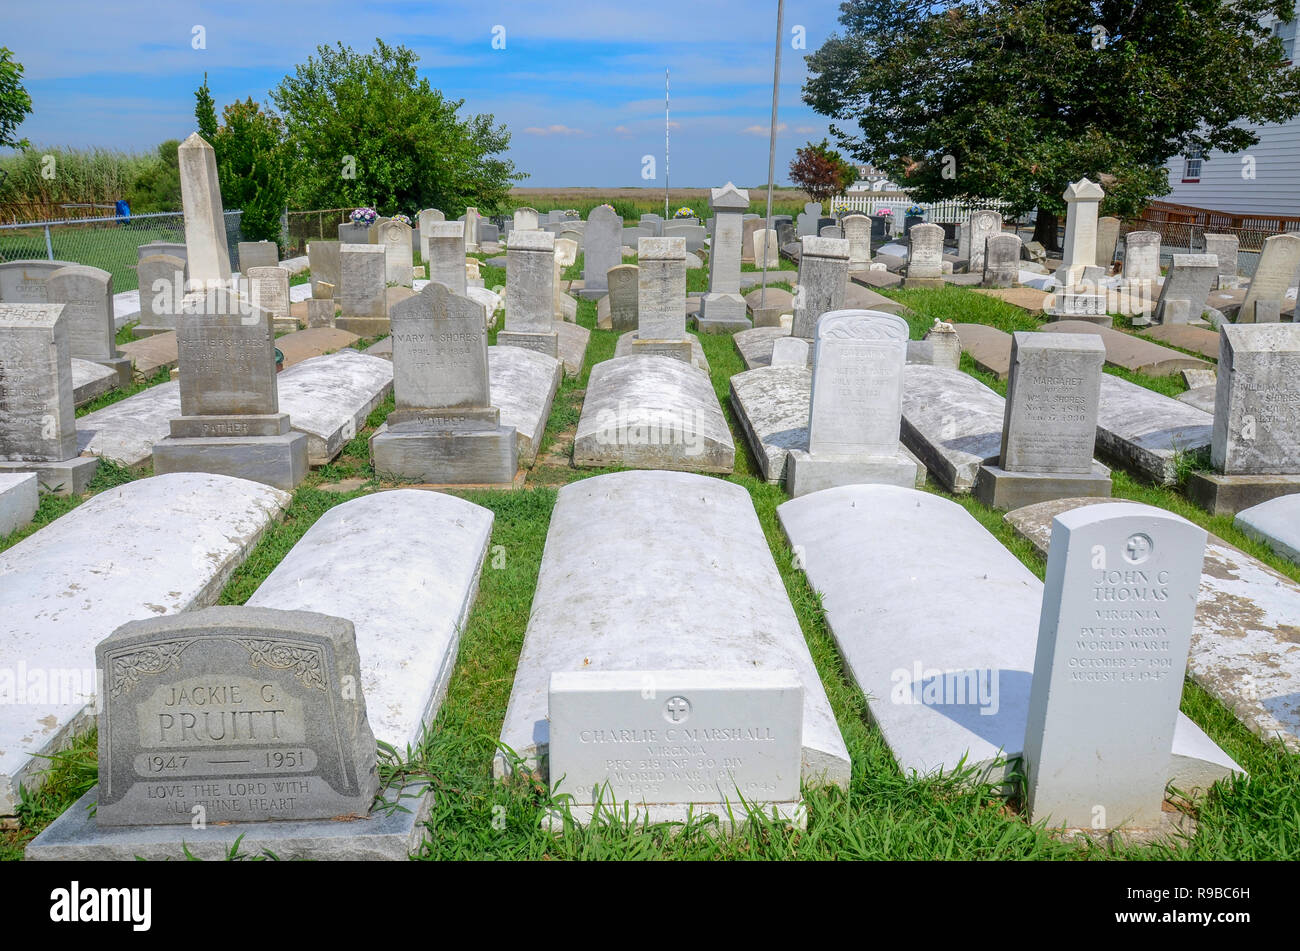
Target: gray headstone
{"points": [[723, 302], [623, 297], [767, 253], [1225, 247], [807, 223], [603, 247], [446, 258], [352, 233], [1002, 260], [361, 281], [1256, 420], [661, 289], [233, 714], [984, 224], [206, 246], [226, 350], [488, 232], [257, 254], [269, 290], [1274, 274], [1187, 288], [751, 225], [23, 281], [324, 264], [397, 241], [162, 288], [37, 415], [1118, 606], [925, 259], [530, 292], [525, 219], [440, 364], [87, 296], [857, 229], [1142, 256], [424, 221], [174, 248], [1053, 393], [823, 274], [790, 351], [832, 231], [1107, 239], [857, 387]]}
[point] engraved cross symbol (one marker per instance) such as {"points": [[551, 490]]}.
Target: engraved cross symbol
{"points": [[677, 708], [1139, 546]]}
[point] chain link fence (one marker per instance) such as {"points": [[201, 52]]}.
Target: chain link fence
{"points": [[107, 243], [317, 225]]}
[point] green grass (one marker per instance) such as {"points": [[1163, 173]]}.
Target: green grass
{"points": [[139, 384], [883, 815]]}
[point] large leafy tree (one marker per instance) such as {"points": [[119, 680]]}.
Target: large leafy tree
{"points": [[821, 171], [364, 129], [15, 104], [1014, 99], [252, 167]]}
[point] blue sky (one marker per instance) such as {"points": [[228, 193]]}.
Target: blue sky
{"points": [[579, 84]]}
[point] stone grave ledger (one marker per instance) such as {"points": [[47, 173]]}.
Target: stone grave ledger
{"points": [[722, 308], [946, 695], [1049, 428], [1113, 639], [230, 421], [856, 404], [727, 737], [530, 294], [233, 714], [444, 428], [38, 429], [729, 610]]}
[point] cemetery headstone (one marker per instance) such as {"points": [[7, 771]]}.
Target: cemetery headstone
{"points": [[1142, 256], [857, 230], [530, 293], [236, 714], [823, 274], [1002, 260], [1257, 401], [268, 288], [87, 297], [1225, 247], [623, 297], [808, 222], [767, 253], [206, 247], [750, 225], [471, 218], [790, 351], [1118, 607], [23, 281], [1187, 288], [984, 224], [832, 231], [525, 219], [162, 288], [320, 312], [395, 238], [1277, 267], [1082, 199], [174, 248], [424, 221], [856, 404], [444, 428], [925, 257], [360, 293], [723, 308], [446, 259], [324, 264], [602, 250], [257, 254], [353, 233], [661, 299], [1107, 239]]}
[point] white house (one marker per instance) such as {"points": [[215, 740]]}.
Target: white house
{"points": [[1264, 179]]}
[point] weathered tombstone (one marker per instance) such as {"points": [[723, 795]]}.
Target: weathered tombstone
{"points": [[825, 222], [1256, 422], [525, 219], [257, 254], [785, 233], [320, 312], [324, 264], [360, 293], [351, 232], [230, 422], [175, 248], [602, 250], [471, 218], [1225, 247], [1277, 267], [86, 294], [807, 222], [823, 274], [750, 225], [395, 238], [661, 299], [23, 282], [767, 253], [1107, 239], [268, 289], [1142, 256], [446, 258], [831, 231], [856, 405], [206, 247], [424, 221], [162, 287], [723, 308], [530, 293], [38, 431], [1118, 606], [488, 233], [790, 351], [233, 714], [1002, 261], [623, 297], [655, 224], [1082, 199], [925, 259], [857, 230], [444, 429], [1187, 288], [1049, 427]]}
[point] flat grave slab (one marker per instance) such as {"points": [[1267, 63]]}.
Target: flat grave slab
{"points": [[1028, 299], [19, 498], [695, 536], [90, 379], [1141, 430], [329, 397], [126, 431], [313, 342], [1276, 523], [403, 566], [153, 353], [1197, 339], [1129, 352], [1244, 652], [952, 422], [649, 412], [944, 692], [755, 345], [772, 406], [148, 548], [524, 384], [572, 346], [1201, 397], [989, 347]]}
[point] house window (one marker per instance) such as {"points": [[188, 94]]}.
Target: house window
{"points": [[1286, 31], [1192, 166]]}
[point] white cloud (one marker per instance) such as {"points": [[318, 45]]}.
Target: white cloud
{"points": [[764, 129], [553, 130]]}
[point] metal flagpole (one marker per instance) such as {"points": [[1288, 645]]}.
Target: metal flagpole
{"points": [[771, 146], [666, 166]]}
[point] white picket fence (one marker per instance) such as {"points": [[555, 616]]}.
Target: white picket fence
{"points": [[944, 212]]}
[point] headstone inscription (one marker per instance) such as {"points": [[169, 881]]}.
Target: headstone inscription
{"points": [[823, 274], [530, 293], [86, 294]]}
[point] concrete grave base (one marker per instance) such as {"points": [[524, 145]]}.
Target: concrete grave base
{"points": [[121, 366], [279, 461], [90, 379], [69, 477], [755, 345], [688, 350], [391, 832], [807, 473], [1229, 494], [363, 326], [483, 457], [729, 819], [544, 343], [721, 313], [1056, 316], [19, 497], [1275, 522], [999, 489]]}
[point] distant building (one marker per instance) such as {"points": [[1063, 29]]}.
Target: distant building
{"points": [[871, 179], [1221, 181]]}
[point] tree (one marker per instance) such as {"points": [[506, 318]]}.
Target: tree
{"points": [[821, 171], [252, 168], [157, 185], [15, 104], [1014, 99], [205, 111], [363, 129]]}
